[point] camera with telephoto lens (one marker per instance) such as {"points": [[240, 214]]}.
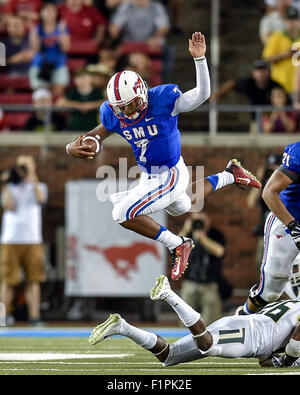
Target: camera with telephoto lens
{"points": [[17, 174], [198, 224]]}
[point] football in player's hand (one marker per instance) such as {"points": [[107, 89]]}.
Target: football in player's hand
{"points": [[94, 143]]}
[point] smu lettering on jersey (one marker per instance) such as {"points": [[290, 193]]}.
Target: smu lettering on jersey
{"points": [[155, 138], [290, 196]]}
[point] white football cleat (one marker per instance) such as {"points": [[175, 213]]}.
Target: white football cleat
{"points": [[161, 288], [108, 328], [296, 363]]}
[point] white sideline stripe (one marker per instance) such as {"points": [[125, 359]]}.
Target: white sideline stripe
{"points": [[54, 356], [132, 363], [139, 370]]}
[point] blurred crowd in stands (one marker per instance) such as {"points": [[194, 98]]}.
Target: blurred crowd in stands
{"points": [[275, 77], [62, 53], [279, 32]]}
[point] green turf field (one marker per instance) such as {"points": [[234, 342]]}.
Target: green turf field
{"points": [[116, 356]]}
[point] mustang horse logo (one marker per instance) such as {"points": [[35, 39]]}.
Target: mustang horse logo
{"points": [[117, 255], [138, 85]]}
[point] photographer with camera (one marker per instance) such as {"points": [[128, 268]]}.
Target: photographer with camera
{"points": [[203, 277], [22, 197]]}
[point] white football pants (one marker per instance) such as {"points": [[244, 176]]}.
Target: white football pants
{"points": [[280, 252], [153, 193]]}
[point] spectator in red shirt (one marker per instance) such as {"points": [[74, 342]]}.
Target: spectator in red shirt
{"points": [[26, 9], [84, 22]]}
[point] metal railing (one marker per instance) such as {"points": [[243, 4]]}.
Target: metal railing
{"points": [[257, 110], [215, 109]]}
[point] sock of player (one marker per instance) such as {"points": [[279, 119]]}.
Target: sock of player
{"points": [[220, 180], [184, 311], [246, 309], [168, 238], [143, 338]]}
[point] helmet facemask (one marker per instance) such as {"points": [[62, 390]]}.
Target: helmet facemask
{"points": [[141, 105], [125, 88]]}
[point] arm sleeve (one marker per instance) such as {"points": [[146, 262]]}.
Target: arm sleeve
{"points": [[120, 16], [161, 16], [193, 98], [293, 176]]}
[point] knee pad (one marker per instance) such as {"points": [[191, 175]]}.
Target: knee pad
{"points": [[274, 286], [185, 206], [174, 213], [179, 207], [255, 298], [117, 214]]}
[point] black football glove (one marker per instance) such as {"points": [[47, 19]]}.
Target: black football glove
{"points": [[283, 361], [294, 228], [278, 361]]}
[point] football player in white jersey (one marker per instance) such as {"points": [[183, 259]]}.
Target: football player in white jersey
{"points": [[276, 327]]}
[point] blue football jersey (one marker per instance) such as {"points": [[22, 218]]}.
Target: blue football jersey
{"points": [[154, 138], [290, 196]]}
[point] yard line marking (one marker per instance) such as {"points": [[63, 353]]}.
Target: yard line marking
{"points": [[129, 363]]}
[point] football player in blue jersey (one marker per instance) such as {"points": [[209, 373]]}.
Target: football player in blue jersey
{"points": [[147, 119], [282, 232]]}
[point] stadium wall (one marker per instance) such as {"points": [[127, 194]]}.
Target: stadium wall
{"points": [[227, 208]]}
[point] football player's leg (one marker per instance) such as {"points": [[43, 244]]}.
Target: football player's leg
{"points": [[153, 194], [188, 316], [141, 223], [183, 350], [116, 325], [279, 254], [234, 173], [132, 209]]}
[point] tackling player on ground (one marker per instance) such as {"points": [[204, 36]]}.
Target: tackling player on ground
{"points": [[147, 119], [275, 328]]}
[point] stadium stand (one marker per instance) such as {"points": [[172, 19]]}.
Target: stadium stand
{"points": [[15, 98], [8, 82], [16, 89], [236, 51]]}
